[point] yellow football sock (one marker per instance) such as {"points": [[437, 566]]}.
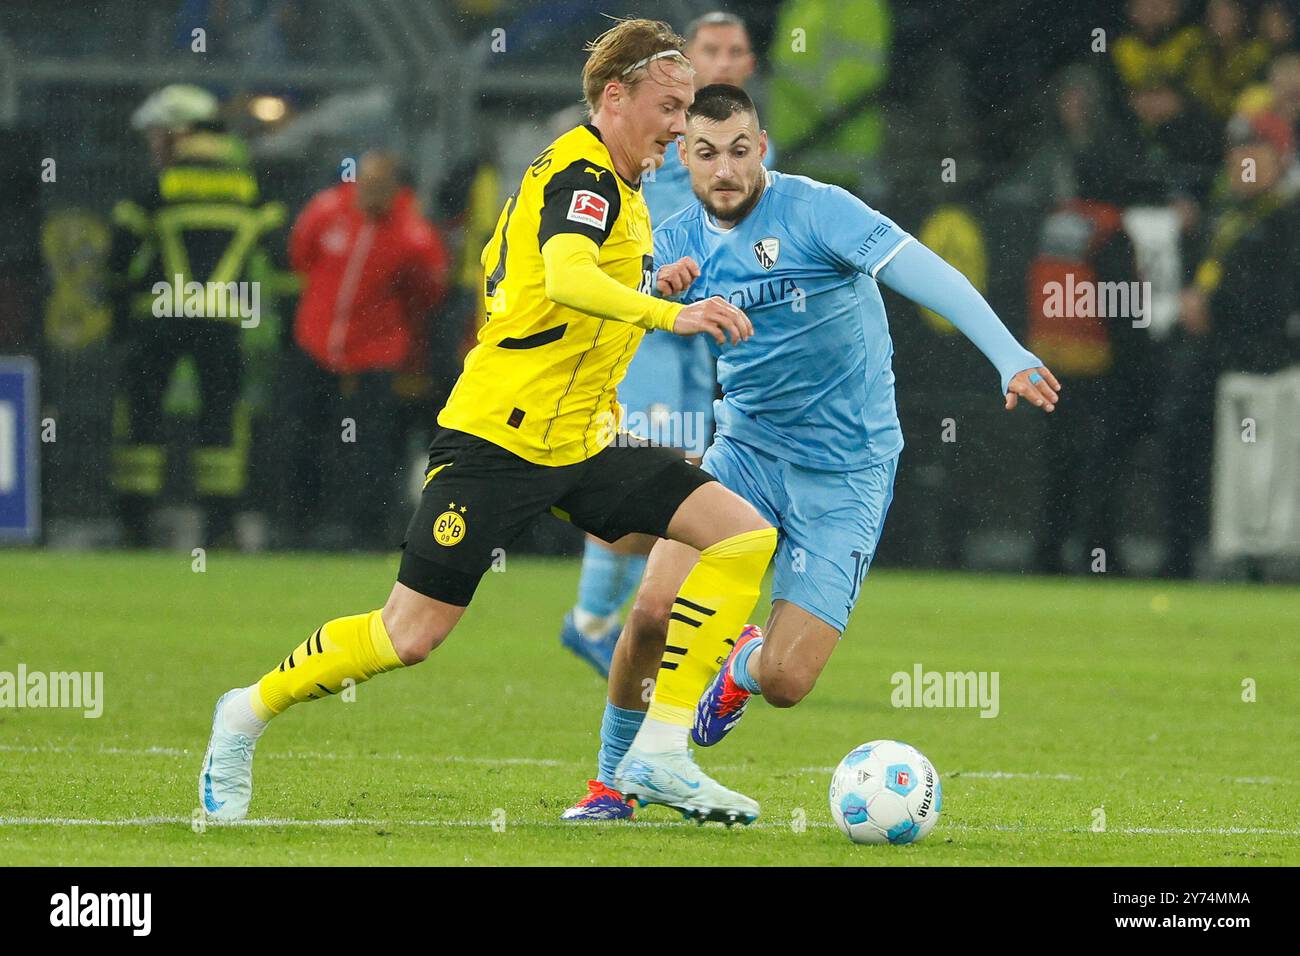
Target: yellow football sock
{"points": [[352, 648], [711, 608]]}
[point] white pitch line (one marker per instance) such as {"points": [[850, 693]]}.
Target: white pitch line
{"points": [[639, 825], [157, 751], [298, 755], [355, 822], [1005, 775], [1127, 831], [978, 774], [431, 758]]}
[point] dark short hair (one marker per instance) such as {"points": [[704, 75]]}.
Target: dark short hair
{"points": [[717, 18], [721, 101]]}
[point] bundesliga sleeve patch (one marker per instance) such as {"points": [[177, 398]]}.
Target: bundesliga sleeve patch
{"points": [[588, 208]]}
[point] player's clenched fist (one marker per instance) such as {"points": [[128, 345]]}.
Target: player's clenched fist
{"points": [[716, 317], [676, 277]]}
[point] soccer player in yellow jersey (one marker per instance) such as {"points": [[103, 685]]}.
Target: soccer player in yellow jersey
{"points": [[533, 425]]}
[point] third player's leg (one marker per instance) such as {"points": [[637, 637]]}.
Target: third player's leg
{"points": [[666, 496], [668, 397], [610, 575], [641, 645]]}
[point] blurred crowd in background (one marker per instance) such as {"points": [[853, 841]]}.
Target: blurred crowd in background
{"points": [[351, 159]]}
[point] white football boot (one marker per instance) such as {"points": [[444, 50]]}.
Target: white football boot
{"points": [[226, 781], [674, 780]]}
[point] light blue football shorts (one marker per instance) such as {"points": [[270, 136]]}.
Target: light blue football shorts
{"points": [[828, 523]]}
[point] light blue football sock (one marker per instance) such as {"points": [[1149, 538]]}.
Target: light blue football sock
{"points": [[617, 731], [633, 567], [740, 667], [607, 579]]}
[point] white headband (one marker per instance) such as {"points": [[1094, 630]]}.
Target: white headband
{"points": [[646, 62]]}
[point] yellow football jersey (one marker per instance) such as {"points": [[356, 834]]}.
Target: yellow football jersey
{"points": [[541, 381]]}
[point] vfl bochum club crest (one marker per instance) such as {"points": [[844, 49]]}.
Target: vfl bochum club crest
{"points": [[767, 250]]}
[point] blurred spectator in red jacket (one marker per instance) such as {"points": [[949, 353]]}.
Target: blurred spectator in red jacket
{"points": [[1081, 315], [372, 269]]}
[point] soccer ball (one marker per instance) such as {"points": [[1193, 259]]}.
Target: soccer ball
{"points": [[885, 792]]}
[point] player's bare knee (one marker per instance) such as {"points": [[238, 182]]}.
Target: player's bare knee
{"points": [[647, 621], [414, 640], [784, 693], [413, 647], [785, 689], [417, 624]]}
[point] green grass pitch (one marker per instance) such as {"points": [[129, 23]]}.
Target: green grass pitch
{"points": [[1124, 696]]}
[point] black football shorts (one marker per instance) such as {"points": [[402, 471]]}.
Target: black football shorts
{"points": [[478, 497]]}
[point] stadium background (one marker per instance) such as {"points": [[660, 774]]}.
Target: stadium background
{"points": [[977, 83]]}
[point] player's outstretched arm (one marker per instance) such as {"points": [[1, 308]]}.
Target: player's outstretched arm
{"points": [[922, 276], [574, 279]]}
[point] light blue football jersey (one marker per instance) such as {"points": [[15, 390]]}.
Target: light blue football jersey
{"points": [[814, 385]]}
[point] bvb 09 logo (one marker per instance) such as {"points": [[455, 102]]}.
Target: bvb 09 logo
{"points": [[449, 529]]}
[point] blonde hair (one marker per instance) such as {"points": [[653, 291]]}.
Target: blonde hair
{"points": [[625, 52]]}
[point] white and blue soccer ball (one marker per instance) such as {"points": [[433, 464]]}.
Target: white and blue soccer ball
{"points": [[885, 792]]}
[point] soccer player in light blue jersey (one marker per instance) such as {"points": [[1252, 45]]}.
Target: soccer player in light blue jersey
{"points": [[669, 388], [807, 429]]}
